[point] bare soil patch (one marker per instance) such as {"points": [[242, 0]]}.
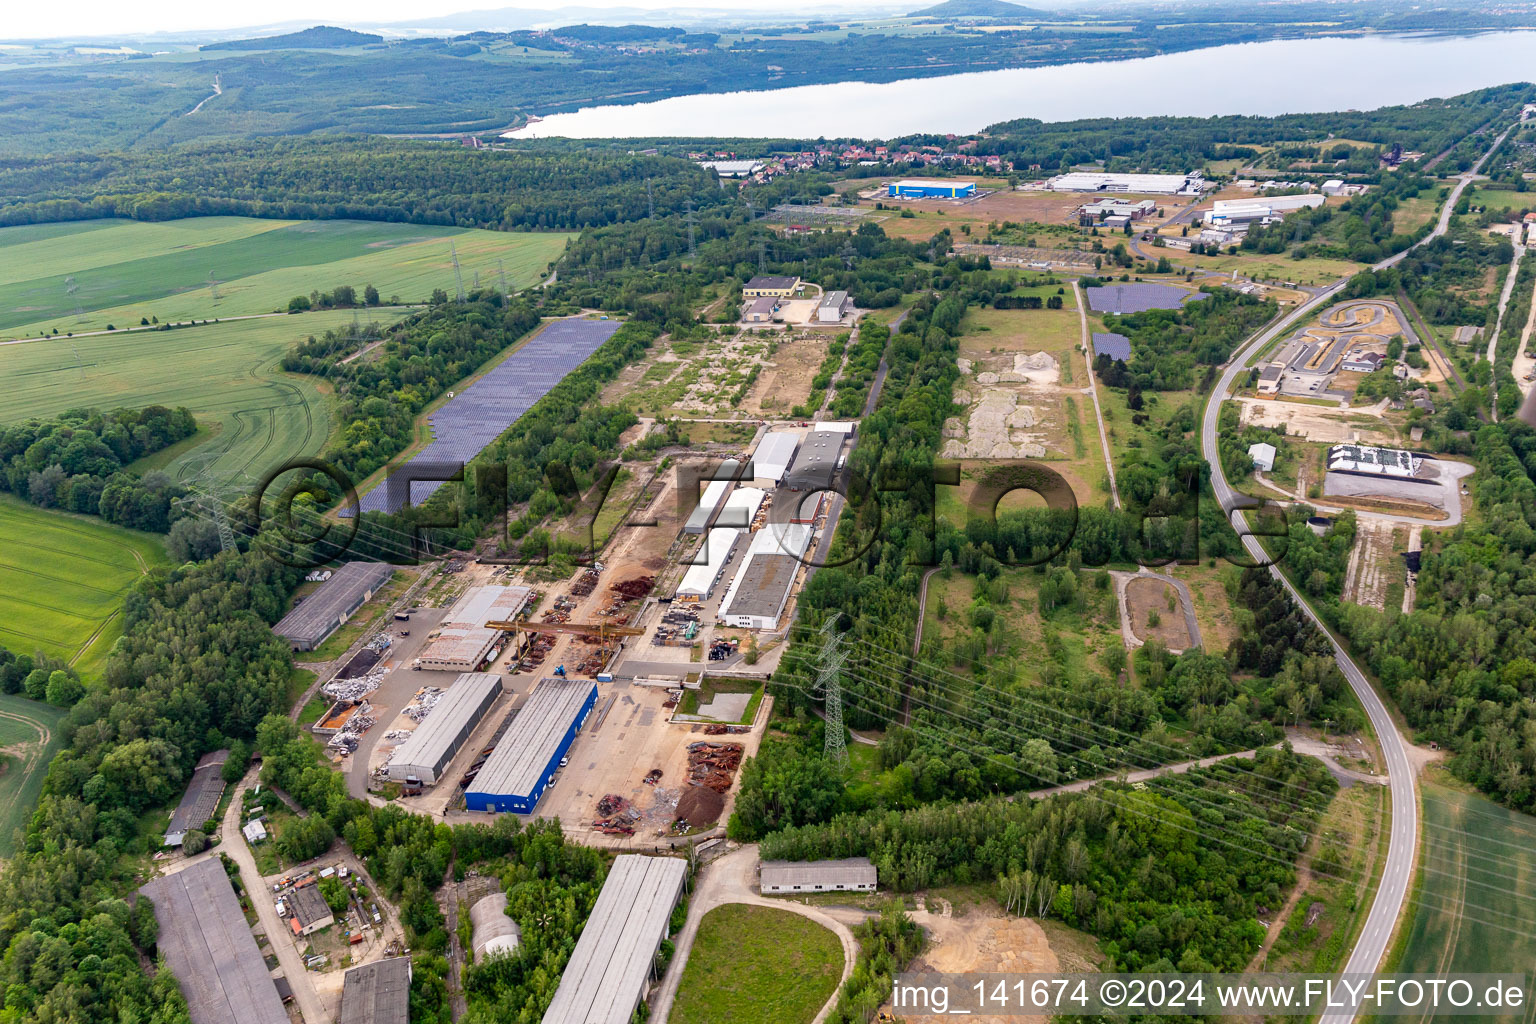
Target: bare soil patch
{"points": [[1148, 598]]}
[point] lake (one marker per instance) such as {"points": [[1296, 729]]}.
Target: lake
{"points": [[1276, 77]]}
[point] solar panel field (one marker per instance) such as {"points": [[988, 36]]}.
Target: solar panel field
{"points": [[82, 276], [481, 412], [62, 581], [226, 373]]}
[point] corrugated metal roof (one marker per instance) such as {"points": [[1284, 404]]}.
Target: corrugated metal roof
{"points": [[699, 580], [605, 977], [460, 704], [377, 993], [850, 871], [514, 767], [201, 798], [773, 455], [206, 942], [314, 617]]}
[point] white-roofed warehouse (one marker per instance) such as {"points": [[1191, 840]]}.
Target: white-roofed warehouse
{"points": [[610, 969], [701, 579], [514, 776], [852, 874], [432, 745], [773, 455]]}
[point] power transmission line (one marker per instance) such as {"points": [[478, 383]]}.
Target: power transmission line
{"points": [[827, 681]]}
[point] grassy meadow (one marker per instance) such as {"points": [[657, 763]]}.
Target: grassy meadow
{"points": [[757, 965], [83, 276], [29, 737], [62, 581], [256, 416]]}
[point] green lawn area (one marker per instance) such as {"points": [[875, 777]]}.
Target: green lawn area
{"points": [[116, 272], [1413, 213], [1022, 330], [30, 734], [756, 965], [62, 581], [1475, 888], [1314, 271], [254, 415], [1502, 199]]}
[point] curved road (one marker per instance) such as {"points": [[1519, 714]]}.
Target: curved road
{"points": [[1397, 875]]}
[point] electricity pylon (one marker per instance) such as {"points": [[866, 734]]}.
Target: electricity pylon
{"points": [[828, 680]]}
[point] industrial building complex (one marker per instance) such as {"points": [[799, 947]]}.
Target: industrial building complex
{"points": [[930, 188], [524, 762], [817, 461], [1152, 184], [206, 942], [377, 993], [434, 742], [463, 641], [774, 453], [1356, 458], [320, 614], [1233, 212], [609, 972], [761, 589], [854, 874], [769, 286]]}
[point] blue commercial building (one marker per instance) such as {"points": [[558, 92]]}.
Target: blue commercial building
{"points": [[930, 188], [523, 764]]}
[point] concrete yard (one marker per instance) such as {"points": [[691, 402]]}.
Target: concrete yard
{"points": [[627, 736], [1434, 495]]}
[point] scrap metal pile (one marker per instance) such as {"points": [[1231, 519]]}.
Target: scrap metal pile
{"points": [[352, 689], [631, 590], [587, 581], [713, 764], [352, 731], [616, 816], [425, 700]]}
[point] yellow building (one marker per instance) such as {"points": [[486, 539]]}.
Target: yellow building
{"points": [[770, 287]]}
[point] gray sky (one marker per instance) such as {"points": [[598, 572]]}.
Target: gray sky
{"points": [[110, 17]]}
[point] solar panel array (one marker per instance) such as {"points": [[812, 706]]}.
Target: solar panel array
{"points": [[481, 412], [1138, 298], [1116, 346]]}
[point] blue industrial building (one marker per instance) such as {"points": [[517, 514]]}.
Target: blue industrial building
{"points": [[930, 188], [523, 764]]}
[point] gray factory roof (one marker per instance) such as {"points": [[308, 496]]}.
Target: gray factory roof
{"points": [[771, 281], [459, 705], [312, 620], [834, 299], [377, 993], [606, 974], [1116, 346], [201, 798], [816, 461], [764, 585], [525, 751], [480, 413], [494, 932], [849, 871], [208, 945], [309, 906]]}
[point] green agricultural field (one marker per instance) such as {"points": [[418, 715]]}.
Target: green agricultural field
{"points": [[1477, 888], [1502, 199], [119, 272], [757, 965], [62, 581], [226, 373], [29, 737]]}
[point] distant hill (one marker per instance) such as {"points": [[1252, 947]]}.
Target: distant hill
{"points": [[981, 9], [321, 37]]}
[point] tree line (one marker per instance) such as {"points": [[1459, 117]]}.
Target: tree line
{"points": [[78, 461]]}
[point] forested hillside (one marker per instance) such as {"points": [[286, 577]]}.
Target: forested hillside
{"points": [[1462, 665], [363, 178]]}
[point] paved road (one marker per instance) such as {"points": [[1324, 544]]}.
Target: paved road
{"points": [[266, 912], [1397, 874], [1093, 389], [1493, 339]]}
